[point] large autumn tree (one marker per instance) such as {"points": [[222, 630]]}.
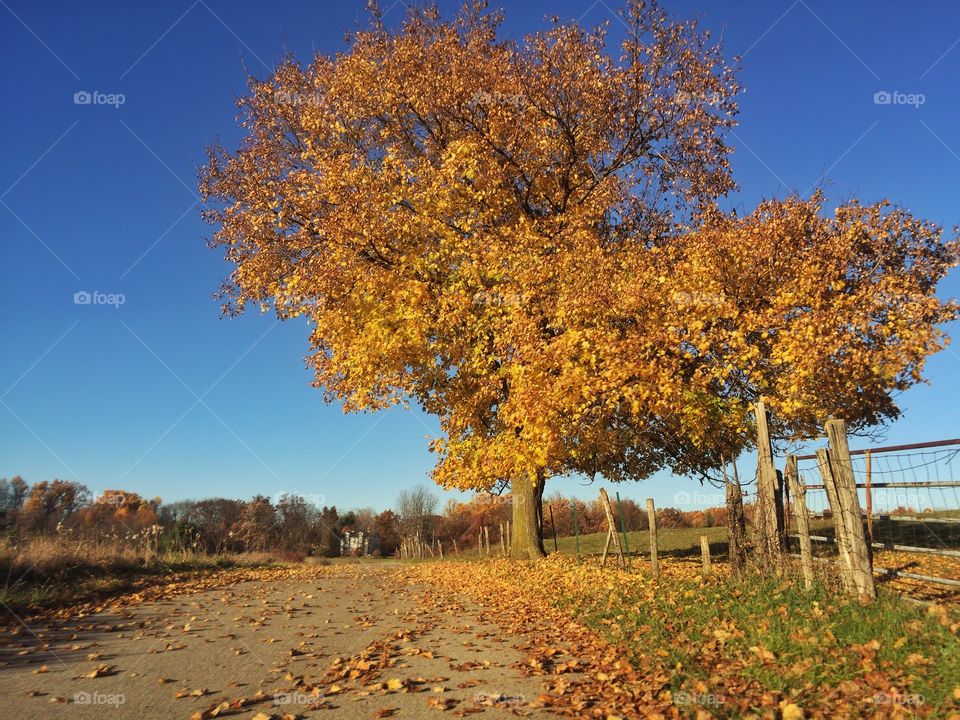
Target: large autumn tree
{"points": [[452, 212]]}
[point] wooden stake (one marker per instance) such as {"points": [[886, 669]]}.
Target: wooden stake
{"points": [[799, 494], [486, 538], [503, 541], [623, 528], [705, 554], [840, 531], [606, 548], [652, 522], [861, 555], [612, 525], [455, 551], [770, 537]]}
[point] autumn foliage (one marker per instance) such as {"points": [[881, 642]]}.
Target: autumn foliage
{"points": [[524, 238]]}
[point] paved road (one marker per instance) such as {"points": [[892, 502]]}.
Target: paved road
{"points": [[354, 646]]}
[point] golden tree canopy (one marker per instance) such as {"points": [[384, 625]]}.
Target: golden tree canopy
{"points": [[449, 212]]}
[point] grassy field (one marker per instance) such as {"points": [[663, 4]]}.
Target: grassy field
{"points": [[927, 532], [670, 540]]}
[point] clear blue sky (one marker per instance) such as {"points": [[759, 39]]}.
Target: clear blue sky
{"points": [[163, 397]]}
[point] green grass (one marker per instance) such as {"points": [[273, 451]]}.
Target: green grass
{"points": [[812, 635], [670, 540]]}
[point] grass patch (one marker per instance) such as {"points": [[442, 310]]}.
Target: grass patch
{"points": [[48, 573]]}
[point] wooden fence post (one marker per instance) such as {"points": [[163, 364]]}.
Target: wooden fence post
{"points": [[770, 537], [799, 494], [455, 551], [861, 556], [705, 554], [480, 542], [736, 522], [503, 541], [623, 528], [840, 530], [652, 522], [486, 538], [611, 527]]}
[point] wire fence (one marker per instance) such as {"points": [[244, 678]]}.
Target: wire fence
{"points": [[909, 497]]}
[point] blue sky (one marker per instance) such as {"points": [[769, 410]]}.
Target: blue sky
{"points": [[161, 396]]}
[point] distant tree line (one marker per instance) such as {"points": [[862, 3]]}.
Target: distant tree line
{"points": [[290, 524]]}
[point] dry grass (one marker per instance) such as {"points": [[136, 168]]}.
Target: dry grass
{"points": [[48, 571]]}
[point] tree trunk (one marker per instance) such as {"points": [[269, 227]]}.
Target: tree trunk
{"points": [[526, 542]]}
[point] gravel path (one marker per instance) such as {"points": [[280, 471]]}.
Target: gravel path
{"points": [[362, 644]]}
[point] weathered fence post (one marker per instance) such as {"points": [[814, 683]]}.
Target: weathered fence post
{"points": [[480, 542], [455, 551], [440, 549], [770, 537], [799, 494], [861, 557], [736, 522], [503, 541], [652, 522], [486, 538], [840, 530], [705, 554], [611, 527], [623, 528]]}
